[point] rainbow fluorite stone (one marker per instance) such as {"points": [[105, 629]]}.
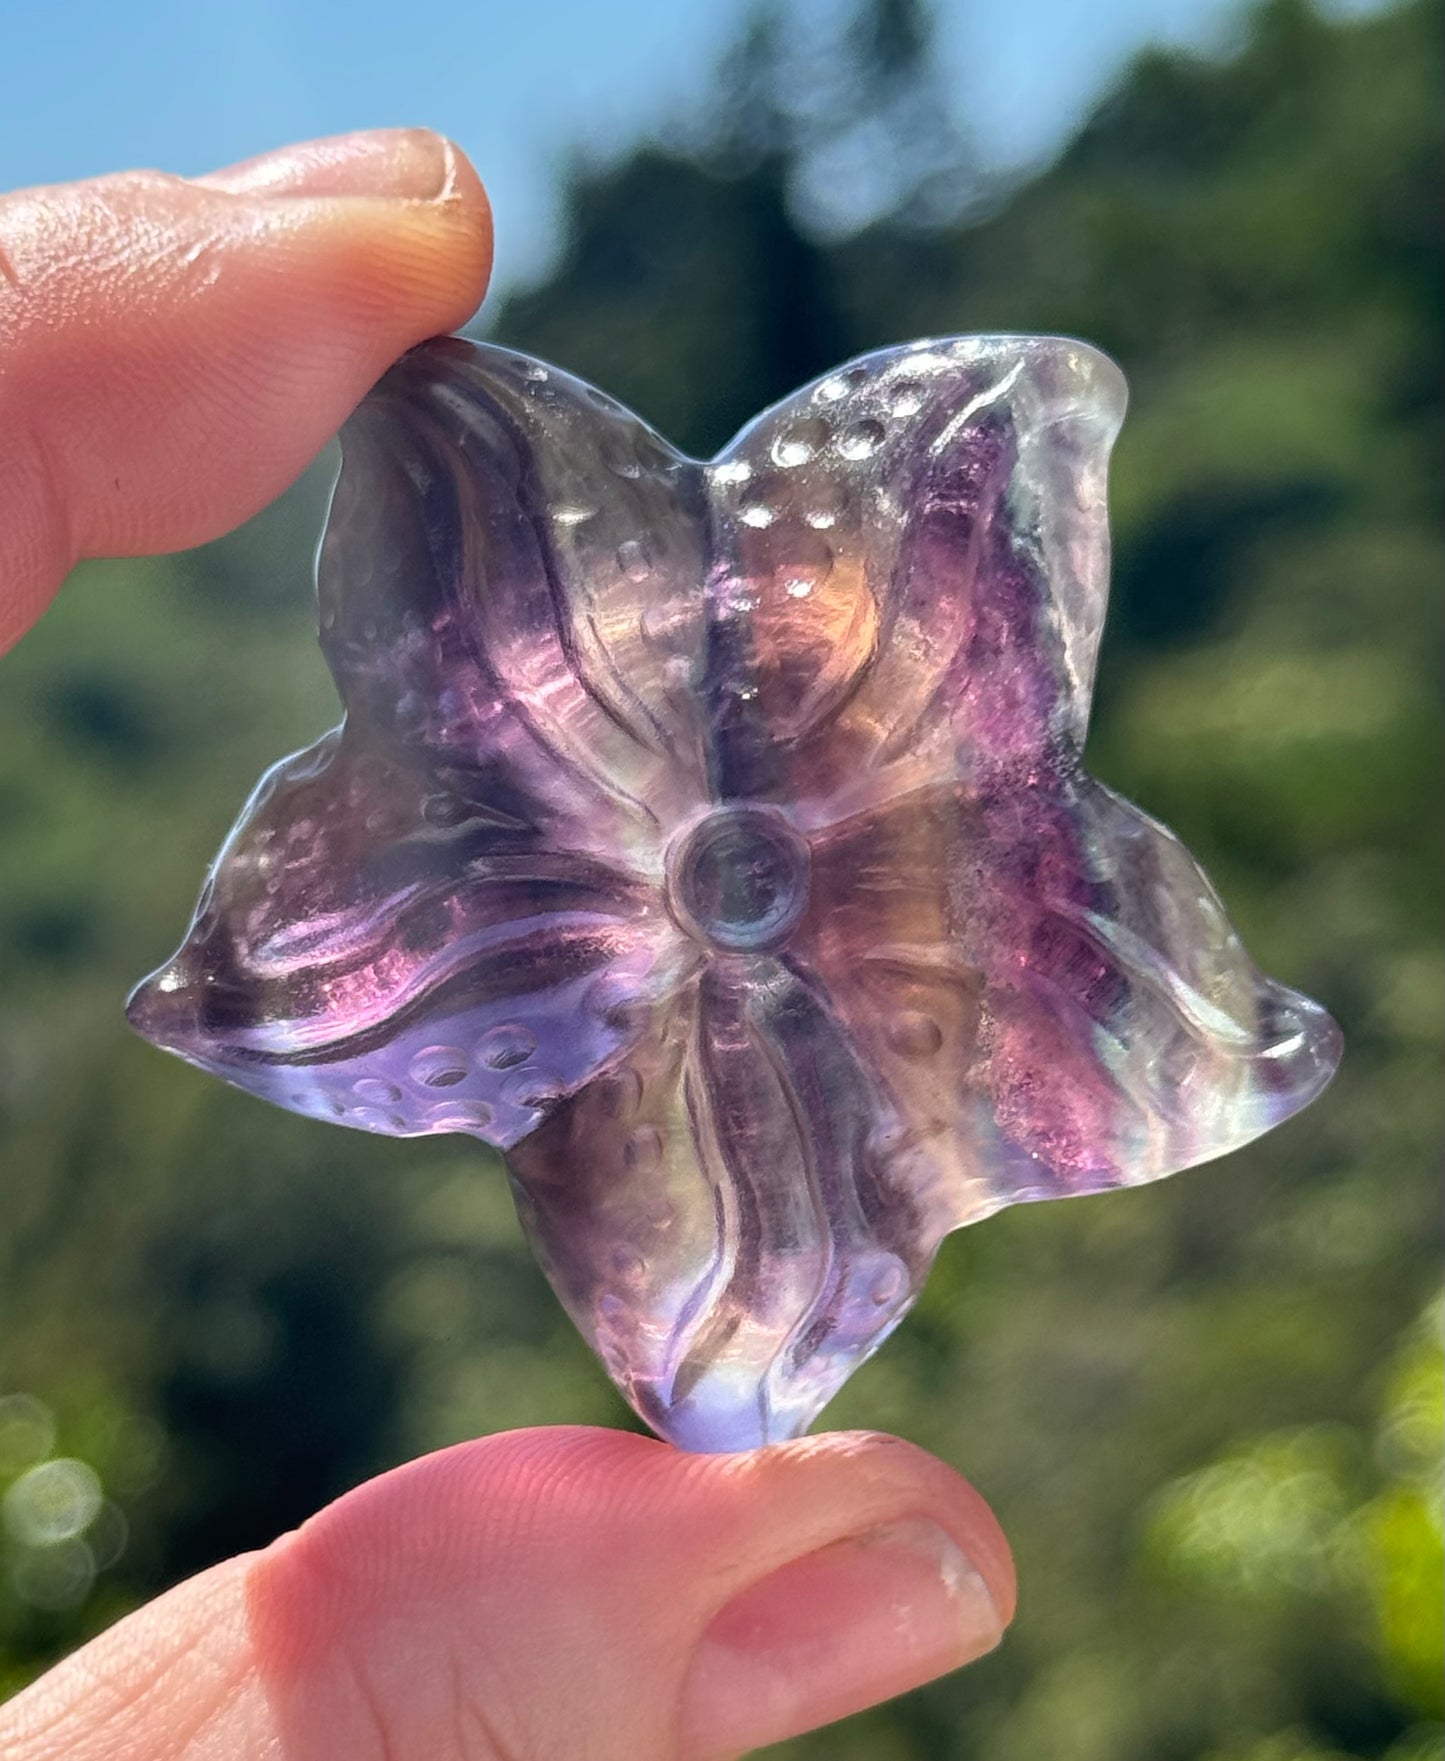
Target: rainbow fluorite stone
{"points": [[713, 839]]}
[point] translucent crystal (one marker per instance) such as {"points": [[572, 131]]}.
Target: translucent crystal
{"points": [[712, 838]]}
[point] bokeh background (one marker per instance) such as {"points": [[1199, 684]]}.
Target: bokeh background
{"points": [[1209, 1414]]}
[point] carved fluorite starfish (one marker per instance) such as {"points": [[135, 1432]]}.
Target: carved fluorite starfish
{"points": [[712, 838]]}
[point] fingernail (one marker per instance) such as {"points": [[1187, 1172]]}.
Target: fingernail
{"points": [[833, 1632], [406, 162]]}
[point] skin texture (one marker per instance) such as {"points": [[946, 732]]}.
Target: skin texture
{"points": [[171, 356]]}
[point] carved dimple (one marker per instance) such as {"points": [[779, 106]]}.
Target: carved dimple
{"points": [[913, 1034], [506, 1046], [439, 1066]]}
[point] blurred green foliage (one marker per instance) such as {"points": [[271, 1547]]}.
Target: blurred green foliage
{"points": [[1209, 1414]]}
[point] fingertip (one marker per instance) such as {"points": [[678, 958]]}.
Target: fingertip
{"points": [[414, 162], [856, 1622], [177, 352], [343, 285], [453, 240], [703, 1604], [882, 1475]]}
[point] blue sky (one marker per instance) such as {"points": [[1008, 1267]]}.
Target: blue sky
{"points": [[186, 85]]}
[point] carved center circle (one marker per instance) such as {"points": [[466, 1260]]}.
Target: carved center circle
{"points": [[739, 878]]}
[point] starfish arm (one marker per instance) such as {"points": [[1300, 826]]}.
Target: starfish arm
{"points": [[1047, 989], [916, 568], [498, 533], [368, 949], [725, 1236]]}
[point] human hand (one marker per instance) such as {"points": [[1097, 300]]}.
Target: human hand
{"points": [[171, 356]]}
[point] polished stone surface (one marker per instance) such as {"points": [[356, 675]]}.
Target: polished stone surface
{"points": [[713, 839]]}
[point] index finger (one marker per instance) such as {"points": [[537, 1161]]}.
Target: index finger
{"points": [[173, 353]]}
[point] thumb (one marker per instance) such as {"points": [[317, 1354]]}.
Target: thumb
{"points": [[555, 1594]]}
